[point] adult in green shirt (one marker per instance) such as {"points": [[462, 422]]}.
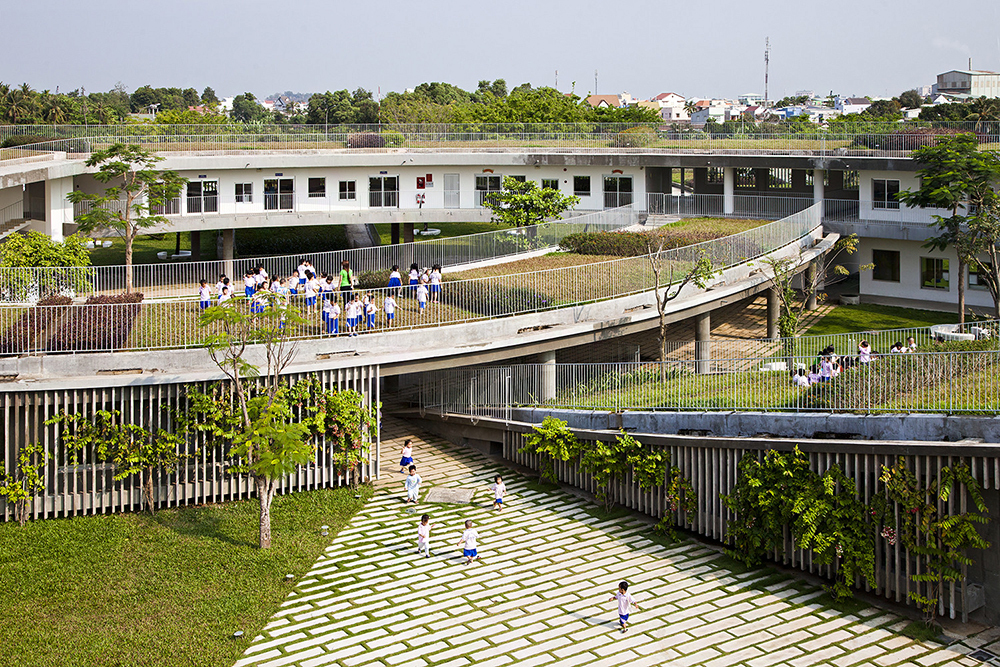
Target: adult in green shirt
{"points": [[346, 282]]}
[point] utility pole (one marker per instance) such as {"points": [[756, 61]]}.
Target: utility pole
{"points": [[595, 81], [557, 79], [767, 63]]}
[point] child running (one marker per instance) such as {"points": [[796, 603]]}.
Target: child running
{"points": [[499, 489], [412, 484], [424, 535], [624, 600], [470, 538], [406, 456], [205, 294]]}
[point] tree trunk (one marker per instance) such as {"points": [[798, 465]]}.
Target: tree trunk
{"points": [[147, 489], [265, 493], [961, 290], [21, 512], [129, 237]]}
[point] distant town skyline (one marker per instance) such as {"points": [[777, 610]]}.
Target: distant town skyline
{"points": [[856, 48]]}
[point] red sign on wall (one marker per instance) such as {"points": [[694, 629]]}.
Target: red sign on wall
{"points": [[421, 183]]}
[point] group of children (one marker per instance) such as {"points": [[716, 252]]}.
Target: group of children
{"points": [[829, 365], [319, 293], [470, 536]]}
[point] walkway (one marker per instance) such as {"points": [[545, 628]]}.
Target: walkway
{"points": [[540, 596]]}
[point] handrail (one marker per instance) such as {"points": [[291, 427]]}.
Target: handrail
{"points": [[173, 324]]}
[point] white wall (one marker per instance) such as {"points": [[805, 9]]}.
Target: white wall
{"points": [[10, 196], [908, 286], [907, 181]]}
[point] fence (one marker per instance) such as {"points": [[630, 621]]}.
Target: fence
{"points": [[203, 475], [165, 324], [181, 279], [712, 466], [941, 382], [898, 141]]}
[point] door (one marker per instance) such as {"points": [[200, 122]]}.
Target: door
{"points": [[486, 187], [279, 194], [617, 191], [452, 198], [383, 191], [203, 197]]}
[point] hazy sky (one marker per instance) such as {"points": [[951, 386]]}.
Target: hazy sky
{"points": [[695, 48]]}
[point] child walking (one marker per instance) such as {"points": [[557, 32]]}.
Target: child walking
{"points": [[499, 489], [424, 535], [471, 540], [624, 599], [406, 456], [412, 484], [389, 306], [205, 294]]}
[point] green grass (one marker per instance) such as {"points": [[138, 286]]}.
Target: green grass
{"points": [[922, 632], [134, 590], [871, 317], [448, 229], [145, 247]]}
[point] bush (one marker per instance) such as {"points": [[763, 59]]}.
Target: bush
{"points": [[300, 240], [373, 279], [23, 140], [634, 137], [103, 323], [366, 140], [633, 244], [32, 323], [392, 140], [905, 140]]}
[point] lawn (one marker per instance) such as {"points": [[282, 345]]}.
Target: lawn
{"points": [[134, 590], [720, 226], [448, 229], [871, 317], [145, 247]]}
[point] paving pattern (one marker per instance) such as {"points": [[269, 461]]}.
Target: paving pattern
{"points": [[540, 596]]}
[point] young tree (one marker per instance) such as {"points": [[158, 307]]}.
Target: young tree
{"points": [[135, 192], [130, 448], [523, 203], [955, 175], [255, 415], [668, 273], [25, 481]]}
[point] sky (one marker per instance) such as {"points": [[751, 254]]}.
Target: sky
{"points": [[703, 49]]}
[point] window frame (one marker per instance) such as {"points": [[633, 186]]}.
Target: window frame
{"points": [[886, 200], [894, 269], [347, 190], [973, 271], [578, 191], [312, 191], [243, 193], [550, 181], [940, 268]]}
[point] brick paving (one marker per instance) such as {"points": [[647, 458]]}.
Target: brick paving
{"points": [[540, 594]]}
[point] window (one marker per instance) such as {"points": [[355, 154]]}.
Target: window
{"points": [[486, 186], [383, 191], [886, 265], [203, 197], [617, 191], [244, 193], [550, 183], [519, 179], [348, 190], [317, 187], [581, 186], [933, 273], [977, 281], [279, 194], [884, 193], [715, 175], [167, 207], [744, 177], [851, 180], [780, 178]]}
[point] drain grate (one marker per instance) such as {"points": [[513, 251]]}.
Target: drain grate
{"points": [[982, 655]]}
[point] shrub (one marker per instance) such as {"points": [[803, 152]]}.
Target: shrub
{"points": [[103, 323], [904, 140], [23, 140], [268, 242], [373, 279], [634, 137], [393, 139], [633, 244], [32, 323], [366, 140]]}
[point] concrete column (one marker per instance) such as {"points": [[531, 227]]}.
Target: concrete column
{"points": [[810, 286], [702, 342], [819, 190], [773, 313], [196, 246], [548, 388], [228, 240], [728, 190], [394, 231], [407, 232], [58, 209]]}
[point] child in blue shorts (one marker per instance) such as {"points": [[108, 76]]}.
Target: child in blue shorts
{"points": [[499, 489], [624, 600], [470, 538], [205, 294], [406, 456]]}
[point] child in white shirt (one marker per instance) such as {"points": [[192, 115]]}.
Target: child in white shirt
{"points": [[624, 600], [435, 280], [224, 296], [205, 294], [412, 484], [389, 306], [499, 489], [471, 540], [424, 535], [406, 456], [354, 309], [371, 309], [421, 298]]}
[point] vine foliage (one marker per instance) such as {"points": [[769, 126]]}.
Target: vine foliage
{"points": [[25, 481], [552, 440]]}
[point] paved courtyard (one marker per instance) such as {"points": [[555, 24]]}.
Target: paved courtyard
{"points": [[540, 596]]}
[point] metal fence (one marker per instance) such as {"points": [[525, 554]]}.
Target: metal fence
{"points": [[896, 141], [173, 324], [203, 475], [712, 467], [941, 382], [181, 279]]}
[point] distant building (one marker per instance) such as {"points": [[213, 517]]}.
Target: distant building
{"points": [[607, 101], [964, 83], [750, 99], [671, 107], [849, 105]]}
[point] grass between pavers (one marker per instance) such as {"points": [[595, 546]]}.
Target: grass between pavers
{"points": [[134, 590], [871, 317]]}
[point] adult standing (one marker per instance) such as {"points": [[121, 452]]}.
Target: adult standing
{"points": [[346, 282]]}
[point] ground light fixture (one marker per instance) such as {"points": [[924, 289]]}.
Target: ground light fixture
{"points": [[289, 577], [237, 634]]}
